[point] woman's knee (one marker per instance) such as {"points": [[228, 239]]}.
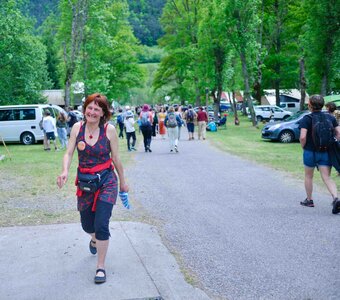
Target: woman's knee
{"points": [[87, 220], [102, 221]]}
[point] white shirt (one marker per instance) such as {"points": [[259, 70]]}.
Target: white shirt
{"points": [[129, 122], [49, 124]]}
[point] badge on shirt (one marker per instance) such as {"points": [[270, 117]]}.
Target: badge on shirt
{"points": [[81, 145]]}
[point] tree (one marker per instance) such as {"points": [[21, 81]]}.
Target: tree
{"points": [[321, 41], [99, 48], [73, 20], [48, 31], [214, 49], [180, 67], [110, 51], [23, 71], [241, 29]]}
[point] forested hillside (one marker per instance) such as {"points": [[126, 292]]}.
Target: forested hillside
{"points": [[144, 16], [40, 9]]}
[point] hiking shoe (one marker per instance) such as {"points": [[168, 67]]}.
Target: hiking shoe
{"points": [[176, 149], [336, 206], [308, 203]]}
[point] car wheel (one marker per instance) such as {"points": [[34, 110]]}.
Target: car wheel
{"points": [[27, 138], [286, 137], [259, 119]]}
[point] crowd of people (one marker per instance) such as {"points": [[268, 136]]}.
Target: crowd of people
{"points": [[166, 121], [100, 174]]}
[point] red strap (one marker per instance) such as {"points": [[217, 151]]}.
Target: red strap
{"points": [[106, 165], [98, 168], [96, 194]]}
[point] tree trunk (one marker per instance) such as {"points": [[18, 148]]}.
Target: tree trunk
{"points": [[197, 91], [303, 83], [258, 80], [79, 19], [219, 65], [277, 66], [236, 120], [246, 96], [67, 92]]}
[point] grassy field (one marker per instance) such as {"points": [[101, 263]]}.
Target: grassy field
{"points": [[28, 191], [245, 141], [29, 195]]}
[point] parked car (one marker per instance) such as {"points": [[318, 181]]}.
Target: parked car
{"points": [[291, 106], [78, 114], [22, 123], [286, 131], [270, 112]]}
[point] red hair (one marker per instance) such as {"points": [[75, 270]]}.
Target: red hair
{"points": [[102, 102]]}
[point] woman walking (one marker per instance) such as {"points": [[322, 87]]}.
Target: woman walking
{"points": [[146, 121], [161, 126], [172, 123], [61, 129], [97, 144]]}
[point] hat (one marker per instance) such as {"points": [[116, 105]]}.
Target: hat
{"points": [[129, 114], [127, 107], [146, 107]]}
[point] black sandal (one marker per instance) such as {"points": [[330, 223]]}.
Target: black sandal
{"points": [[100, 279], [93, 249]]}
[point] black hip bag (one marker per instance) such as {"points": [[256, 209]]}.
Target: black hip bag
{"points": [[91, 182]]}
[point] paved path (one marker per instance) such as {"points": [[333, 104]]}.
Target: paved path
{"points": [[237, 225], [53, 262]]}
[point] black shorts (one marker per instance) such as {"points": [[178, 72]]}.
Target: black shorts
{"points": [[97, 221], [50, 135]]}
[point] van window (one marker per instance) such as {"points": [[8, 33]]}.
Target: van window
{"points": [[17, 114], [6, 115], [291, 105]]}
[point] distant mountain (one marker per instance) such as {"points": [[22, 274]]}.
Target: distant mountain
{"points": [[144, 17], [40, 9]]}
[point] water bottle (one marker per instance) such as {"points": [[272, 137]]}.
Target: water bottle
{"points": [[124, 196]]}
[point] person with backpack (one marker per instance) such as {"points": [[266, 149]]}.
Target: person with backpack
{"points": [[172, 123], [71, 118], [317, 134], [120, 122], [146, 121], [202, 121], [190, 117], [178, 113], [129, 124]]}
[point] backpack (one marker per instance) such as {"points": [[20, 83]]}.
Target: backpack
{"points": [[73, 119], [322, 132], [120, 119], [145, 119], [190, 115], [212, 126], [171, 122]]}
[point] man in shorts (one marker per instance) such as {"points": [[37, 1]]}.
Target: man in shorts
{"points": [[313, 158], [49, 127]]}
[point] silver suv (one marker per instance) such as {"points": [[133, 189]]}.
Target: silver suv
{"points": [[270, 112]]}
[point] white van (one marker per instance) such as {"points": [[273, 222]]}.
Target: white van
{"points": [[20, 123], [291, 106]]}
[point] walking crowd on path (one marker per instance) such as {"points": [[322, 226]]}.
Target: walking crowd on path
{"points": [[165, 121], [96, 141]]}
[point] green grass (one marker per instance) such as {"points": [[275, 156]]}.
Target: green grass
{"points": [[245, 141], [29, 194]]}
